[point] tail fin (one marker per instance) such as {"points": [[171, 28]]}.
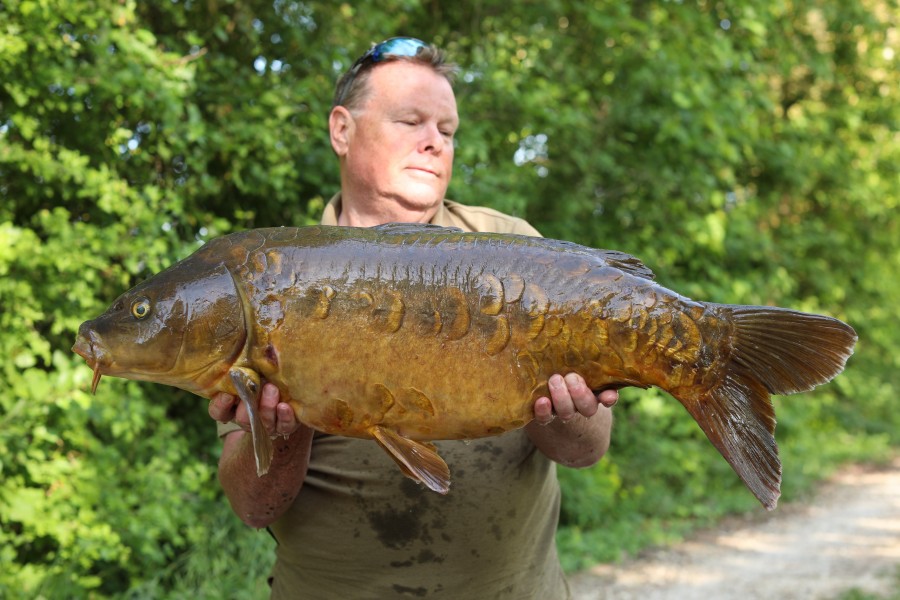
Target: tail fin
{"points": [[773, 351]]}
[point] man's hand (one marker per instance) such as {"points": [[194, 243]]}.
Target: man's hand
{"points": [[570, 441], [277, 417], [259, 501], [569, 396]]}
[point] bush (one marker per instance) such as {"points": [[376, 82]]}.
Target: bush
{"points": [[747, 154]]}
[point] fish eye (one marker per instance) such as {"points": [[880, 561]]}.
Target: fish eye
{"points": [[140, 308]]}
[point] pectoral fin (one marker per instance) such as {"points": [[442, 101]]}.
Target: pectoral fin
{"points": [[418, 460], [247, 384]]}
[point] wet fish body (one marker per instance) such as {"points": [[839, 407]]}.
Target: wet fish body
{"points": [[409, 333]]}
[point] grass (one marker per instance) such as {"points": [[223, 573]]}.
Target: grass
{"points": [[858, 594]]}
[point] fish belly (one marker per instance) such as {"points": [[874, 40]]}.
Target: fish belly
{"points": [[428, 361], [421, 387]]}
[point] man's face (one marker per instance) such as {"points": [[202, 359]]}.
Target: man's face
{"points": [[401, 144]]}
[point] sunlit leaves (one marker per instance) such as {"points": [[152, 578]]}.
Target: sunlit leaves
{"points": [[747, 152]]}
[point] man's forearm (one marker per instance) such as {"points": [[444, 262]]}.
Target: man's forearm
{"points": [[259, 501]]}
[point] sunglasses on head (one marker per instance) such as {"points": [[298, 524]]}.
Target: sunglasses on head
{"points": [[397, 46]]}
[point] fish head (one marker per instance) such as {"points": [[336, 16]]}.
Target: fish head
{"points": [[182, 327]]}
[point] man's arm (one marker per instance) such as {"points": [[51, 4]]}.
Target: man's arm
{"points": [[573, 426], [259, 501]]}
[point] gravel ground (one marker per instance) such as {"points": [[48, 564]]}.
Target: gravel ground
{"points": [[847, 536]]}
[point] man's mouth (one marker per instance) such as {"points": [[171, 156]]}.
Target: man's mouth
{"points": [[424, 170]]}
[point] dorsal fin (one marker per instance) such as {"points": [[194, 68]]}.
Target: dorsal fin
{"points": [[626, 262], [614, 258], [405, 228]]}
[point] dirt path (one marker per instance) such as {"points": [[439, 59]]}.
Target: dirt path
{"points": [[847, 537]]}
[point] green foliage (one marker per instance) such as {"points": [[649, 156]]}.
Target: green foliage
{"points": [[746, 153]]}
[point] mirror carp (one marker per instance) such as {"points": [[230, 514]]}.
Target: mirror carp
{"points": [[406, 333]]}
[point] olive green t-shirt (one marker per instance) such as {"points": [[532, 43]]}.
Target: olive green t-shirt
{"points": [[359, 529]]}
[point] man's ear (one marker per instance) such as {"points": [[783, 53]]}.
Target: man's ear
{"points": [[340, 127]]}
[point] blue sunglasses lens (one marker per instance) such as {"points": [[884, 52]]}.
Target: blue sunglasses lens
{"points": [[399, 46]]}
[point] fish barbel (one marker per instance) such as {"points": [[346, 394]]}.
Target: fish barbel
{"points": [[407, 333]]}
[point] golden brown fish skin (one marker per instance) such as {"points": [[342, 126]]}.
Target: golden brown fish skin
{"points": [[408, 332], [403, 309]]}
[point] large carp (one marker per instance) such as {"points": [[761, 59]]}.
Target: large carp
{"points": [[406, 333]]}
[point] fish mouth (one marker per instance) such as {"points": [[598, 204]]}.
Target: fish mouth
{"points": [[87, 347]]}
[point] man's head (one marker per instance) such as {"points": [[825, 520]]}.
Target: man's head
{"points": [[392, 128], [351, 87]]}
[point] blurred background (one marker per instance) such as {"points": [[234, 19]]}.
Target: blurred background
{"points": [[747, 152]]}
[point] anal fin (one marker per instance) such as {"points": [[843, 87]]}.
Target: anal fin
{"points": [[248, 387], [418, 460]]}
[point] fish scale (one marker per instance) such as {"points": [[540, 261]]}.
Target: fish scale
{"points": [[407, 333]]}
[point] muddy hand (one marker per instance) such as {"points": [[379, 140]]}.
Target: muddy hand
{"points": [[277, 417], [569, 396]]}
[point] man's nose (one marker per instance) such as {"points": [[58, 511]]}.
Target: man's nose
{"points": [[432, 140]]}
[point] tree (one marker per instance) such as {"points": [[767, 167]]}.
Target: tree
{"points": [[746, 153]]}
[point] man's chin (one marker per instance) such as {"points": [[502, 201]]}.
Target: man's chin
{"points": [[420, 197]]}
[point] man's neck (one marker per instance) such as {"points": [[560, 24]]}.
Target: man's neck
{"points": [[370, 212]]}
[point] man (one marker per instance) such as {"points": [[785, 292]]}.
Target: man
{"points": [[347, 521]]}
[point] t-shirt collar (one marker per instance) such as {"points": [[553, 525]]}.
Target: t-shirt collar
{"points": [[333, 209]]}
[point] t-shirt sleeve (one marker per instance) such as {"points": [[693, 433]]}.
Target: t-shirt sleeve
{"points": [[223, 429]]}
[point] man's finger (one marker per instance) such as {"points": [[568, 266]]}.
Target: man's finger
{"points": [[268, 401], [608, 398], [583, 398], [543, 411], [286, 421], [562, 400], [222, 407]]}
